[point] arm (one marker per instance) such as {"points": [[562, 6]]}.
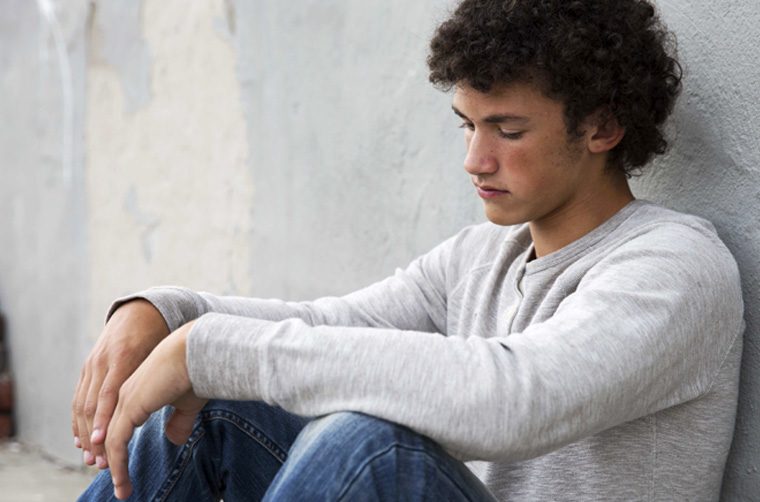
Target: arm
{"points": [[411, 299], [646, 330]]}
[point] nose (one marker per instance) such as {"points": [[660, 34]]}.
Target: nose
{"points": [[480, 158]]}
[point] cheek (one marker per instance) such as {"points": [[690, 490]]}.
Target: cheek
{"points": [[520, 164]]}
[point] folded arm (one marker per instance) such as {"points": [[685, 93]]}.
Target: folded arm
{"points": [[641, 335], [411, 299]]}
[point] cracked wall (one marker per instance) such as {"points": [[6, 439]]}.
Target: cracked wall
{"points": [[292, 150]]}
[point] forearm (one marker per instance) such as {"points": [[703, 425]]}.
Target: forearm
{"points": [[598, 363], [410, 299], [413, 298]]}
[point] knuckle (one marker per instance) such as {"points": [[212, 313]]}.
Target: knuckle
{"points": [[89, 409], [79, 408], [100, 360], [123, 392], [107, 393], [85, 441], [121, 353]]}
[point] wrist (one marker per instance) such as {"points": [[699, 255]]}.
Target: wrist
{"points": [[179, 349]]}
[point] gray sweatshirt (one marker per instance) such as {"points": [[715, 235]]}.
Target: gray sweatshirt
{"points": [[607, 370]]}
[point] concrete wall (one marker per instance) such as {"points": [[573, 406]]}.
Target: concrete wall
{"points": [[284, 149], [713, 170], [44, 269]]}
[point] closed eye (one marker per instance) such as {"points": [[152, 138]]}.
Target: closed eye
{"points": [[513, 135]]}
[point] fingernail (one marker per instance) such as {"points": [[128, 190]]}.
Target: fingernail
{"points": [[88, 458], [101, 462], [95, 435], [77, 442]]}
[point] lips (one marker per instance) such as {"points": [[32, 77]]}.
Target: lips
{"points": [[489, 192]]}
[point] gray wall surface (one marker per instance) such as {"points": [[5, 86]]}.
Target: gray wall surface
{"points": [[713, 170], [298, 144]]}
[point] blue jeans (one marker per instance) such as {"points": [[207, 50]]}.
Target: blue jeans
{"points": [[252, 451]]}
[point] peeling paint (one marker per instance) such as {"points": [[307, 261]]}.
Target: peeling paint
{"points": [[174, 195], [146, 222], [116, 40]]}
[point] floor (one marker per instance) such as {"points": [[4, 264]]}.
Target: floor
{"points": [[28, 476]]}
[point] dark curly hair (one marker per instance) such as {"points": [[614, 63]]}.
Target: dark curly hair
{"points": [[609, 55]]}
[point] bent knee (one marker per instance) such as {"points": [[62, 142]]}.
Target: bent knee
{"points": [[357, 432]]}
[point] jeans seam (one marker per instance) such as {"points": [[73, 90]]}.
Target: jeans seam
{"points": [[206, 416], [180, 465], [387, 450], [248, 428]]}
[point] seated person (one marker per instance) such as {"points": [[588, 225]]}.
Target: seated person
{"points": [[580, 345]]}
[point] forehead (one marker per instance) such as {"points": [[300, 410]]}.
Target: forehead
{"points": [[523, 99]]}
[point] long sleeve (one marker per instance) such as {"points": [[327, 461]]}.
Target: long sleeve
{"points": [[647, 328], [411, 299]]}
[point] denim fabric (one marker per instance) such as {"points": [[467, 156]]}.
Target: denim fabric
{"points": [[246, 450]]}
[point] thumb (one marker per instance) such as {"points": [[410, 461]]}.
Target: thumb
{"points": [[180, 425]]}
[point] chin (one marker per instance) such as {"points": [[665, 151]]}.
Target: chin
{"points": [[504, 218]]}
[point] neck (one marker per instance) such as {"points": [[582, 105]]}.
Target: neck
{"points": [[580, 216]]}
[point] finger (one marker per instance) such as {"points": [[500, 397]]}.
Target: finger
{"points": [[117, 455], [87, 456], [74, 401], [180, 426], [107, 399], [91, 397], [119, 468], [90, 407], [119, 433], [75, 425], [80, 414], [108, 396]]}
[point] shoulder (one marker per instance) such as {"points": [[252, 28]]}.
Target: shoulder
{"points": [[655, 231], [668, 252]]}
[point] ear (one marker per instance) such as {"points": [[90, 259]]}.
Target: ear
{"points": [[603, 131]]}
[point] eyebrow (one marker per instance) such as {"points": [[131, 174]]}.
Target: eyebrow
{"points": [[498, 118]]}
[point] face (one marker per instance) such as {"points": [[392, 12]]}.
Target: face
{"points": [[522, 161]]}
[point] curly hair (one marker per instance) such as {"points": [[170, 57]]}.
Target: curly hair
{"points": [[609, 55]]}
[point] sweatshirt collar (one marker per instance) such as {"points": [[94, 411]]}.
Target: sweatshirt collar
{"points": [[580, 246]]}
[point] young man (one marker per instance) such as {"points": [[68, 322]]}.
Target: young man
{"points": [[583, 345]]}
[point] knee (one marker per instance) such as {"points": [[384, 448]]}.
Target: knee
{"points": [[346, 456], [353, 432], [349, 441], [332, 452]]}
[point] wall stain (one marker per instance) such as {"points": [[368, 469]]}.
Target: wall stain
{"points": [[230, 15], [146, 222]]}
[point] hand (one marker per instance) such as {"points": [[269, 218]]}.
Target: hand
{"points": [[131, 333], [160, 380]]}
